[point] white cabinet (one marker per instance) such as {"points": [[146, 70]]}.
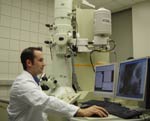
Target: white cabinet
{"points": [[3, 112]]}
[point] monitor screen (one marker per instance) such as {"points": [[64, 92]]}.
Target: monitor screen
{"points": [[104, 80], [132, 79]]}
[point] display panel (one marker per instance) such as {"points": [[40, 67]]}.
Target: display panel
{"points": [[132, 79], [104, 80]]}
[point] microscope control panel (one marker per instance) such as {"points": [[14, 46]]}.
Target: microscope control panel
{"points": [[70, 97]]}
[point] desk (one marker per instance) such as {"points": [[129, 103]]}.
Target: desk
{"points": [[110, 118], [132, 104]]}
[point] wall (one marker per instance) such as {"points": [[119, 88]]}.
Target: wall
{"points": [[141, 29], [130, 30], [122, 35], [22, 24]]}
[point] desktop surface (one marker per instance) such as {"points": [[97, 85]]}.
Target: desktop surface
{"points": [[110, 117], [144, 117], [114, 108]]}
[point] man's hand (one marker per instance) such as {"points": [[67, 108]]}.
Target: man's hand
{"points": [[87, 112]]}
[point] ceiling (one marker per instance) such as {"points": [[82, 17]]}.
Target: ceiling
{"points": [[113, 5]]}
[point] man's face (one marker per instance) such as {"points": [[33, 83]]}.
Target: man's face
{"points": [[38, 63]]}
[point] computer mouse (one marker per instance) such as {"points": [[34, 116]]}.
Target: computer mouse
{"points": [[95, 115]]}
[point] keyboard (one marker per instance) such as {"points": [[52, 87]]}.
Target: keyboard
{"points": [[66, 94], [114, 108], [69, 97]]}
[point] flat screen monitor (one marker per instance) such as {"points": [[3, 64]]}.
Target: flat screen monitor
{"points": [[132, 79], [104, 80]]}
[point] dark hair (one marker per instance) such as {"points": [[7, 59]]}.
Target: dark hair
{"points": [[28, 53]]}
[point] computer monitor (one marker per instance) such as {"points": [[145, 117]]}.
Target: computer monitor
{"points": [[104, 80], [132, 79]]}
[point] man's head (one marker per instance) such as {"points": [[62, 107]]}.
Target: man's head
{"points": [[32, 60]]}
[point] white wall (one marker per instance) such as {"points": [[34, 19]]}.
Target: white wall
{"points": [[141, 29], [122, 35], [22, 24]]}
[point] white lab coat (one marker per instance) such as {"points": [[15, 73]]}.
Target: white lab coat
{"points": [[29, 103]]}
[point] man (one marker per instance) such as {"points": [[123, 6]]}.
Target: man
{"points": [[29, 103]]}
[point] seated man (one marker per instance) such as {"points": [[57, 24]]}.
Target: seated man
{"points": [[29, 103]]}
